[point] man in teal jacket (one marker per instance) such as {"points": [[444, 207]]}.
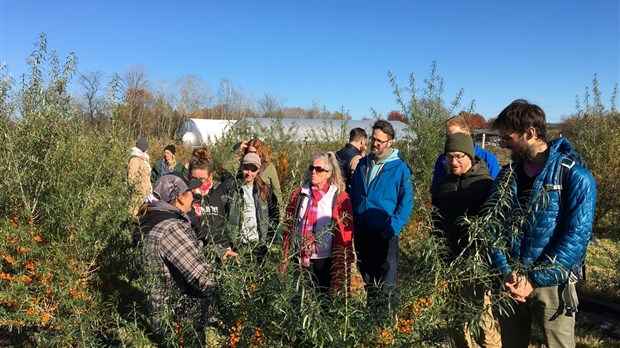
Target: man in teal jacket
{"points": [[382, 198], [545, 227]]}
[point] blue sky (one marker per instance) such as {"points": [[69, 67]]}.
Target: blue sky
{"points": [[337, 53]]}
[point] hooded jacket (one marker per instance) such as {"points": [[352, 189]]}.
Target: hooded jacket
{"points": [[382, 196], [174, 265], [558, 226], [458, 195]]}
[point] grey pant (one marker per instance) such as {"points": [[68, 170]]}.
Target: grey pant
{"points": [[547, 308]]}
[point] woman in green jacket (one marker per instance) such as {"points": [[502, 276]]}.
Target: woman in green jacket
{"points": [[168, 164]]}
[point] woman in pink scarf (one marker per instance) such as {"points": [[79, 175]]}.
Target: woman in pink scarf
{"points": [[320, 224]]}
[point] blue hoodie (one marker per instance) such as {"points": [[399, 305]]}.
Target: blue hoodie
{"points": [[382, 195]]}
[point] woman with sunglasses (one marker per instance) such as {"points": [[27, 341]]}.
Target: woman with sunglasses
{"points": [[252, 209], [321, 227]]}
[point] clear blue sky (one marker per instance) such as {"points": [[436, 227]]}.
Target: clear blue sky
{"points": [[337, 52]]}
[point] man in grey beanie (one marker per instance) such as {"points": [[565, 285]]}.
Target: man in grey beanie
{"points": [[463, 192]]}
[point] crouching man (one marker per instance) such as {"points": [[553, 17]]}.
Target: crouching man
{"points": [[175, 267]]}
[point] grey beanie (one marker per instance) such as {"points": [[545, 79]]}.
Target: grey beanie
{"points": [[460, 142], [142, 144]]}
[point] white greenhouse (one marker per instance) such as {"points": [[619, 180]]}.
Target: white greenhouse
{"points": [[201, 131]]}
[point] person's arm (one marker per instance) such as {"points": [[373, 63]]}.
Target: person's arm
{"points": [[155, 172], [343, 255], [274, 214], [181, 250], [354, 161], [233, 163], [270, 177], [573, 232], [404, 204], [439, 171], [502, 189], [492, 163], [288, 225]]}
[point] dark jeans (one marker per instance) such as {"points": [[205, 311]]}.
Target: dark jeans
{"points": [[377, 259], [321, 271]]}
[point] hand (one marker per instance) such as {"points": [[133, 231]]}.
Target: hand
{"points": [[519, 287], [230, 253], [243, 146]]}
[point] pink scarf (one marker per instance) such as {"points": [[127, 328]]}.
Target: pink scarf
{"points": [[309, 221]]}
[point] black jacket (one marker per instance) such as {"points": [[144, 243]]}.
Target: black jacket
{"points": [[208, 217], [455, 196], [345, 155]]}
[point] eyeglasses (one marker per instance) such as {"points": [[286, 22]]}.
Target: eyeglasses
{"points": [[380, 142], [249, 167], [506, 137], [318, 169], [201, 179], [458, 158]]}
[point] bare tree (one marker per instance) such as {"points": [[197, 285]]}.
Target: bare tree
{"points": [[139, 99], [91, 82], [194, 95], [270, 106]]}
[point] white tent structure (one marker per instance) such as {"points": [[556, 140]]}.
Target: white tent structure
{"points": [[199, 131]]}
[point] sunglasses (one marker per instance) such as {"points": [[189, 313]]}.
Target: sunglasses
{"points": [[249, 167], [318, 169]]}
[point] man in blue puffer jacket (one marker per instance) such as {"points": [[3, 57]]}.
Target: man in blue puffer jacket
{"points": [[382, 198], [547, 230]]}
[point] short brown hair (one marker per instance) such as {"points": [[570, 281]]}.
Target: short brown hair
{"points": [[521, 115], [386, 127], [458, 121], [357, 134]]}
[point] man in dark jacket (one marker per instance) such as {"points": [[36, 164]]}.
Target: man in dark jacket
{"points": [[350, 155], [174, 264], [458, 124], [462, 193], [545, 229]]}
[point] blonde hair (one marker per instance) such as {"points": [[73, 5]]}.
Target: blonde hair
{"points": [[172, 163], [335, 177], [458, 121]]}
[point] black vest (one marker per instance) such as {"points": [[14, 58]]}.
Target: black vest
{"points": [[345, 155]]}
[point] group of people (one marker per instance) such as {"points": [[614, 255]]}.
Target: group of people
{"points": [[352, 207]]}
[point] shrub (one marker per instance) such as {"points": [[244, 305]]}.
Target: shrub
{"points": [[595, 133]]}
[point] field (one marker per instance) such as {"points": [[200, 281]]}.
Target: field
{"points": [[72, 276]]}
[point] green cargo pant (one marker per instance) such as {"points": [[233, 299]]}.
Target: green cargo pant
{"points": [[545, 306]]}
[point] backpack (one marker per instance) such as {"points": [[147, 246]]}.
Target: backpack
{"points": [[567, 163]]}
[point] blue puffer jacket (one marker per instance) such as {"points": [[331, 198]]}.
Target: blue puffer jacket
{"points": [[555, 235], [384, 207]]}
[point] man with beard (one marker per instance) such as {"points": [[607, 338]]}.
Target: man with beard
{"points": [[458, 124], [546, 227], [382, 199], [458, 195]]}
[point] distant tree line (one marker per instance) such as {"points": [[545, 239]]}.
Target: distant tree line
{"points": [[150, 111]]}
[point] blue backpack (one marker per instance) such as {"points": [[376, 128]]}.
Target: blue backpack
{"points": [[568, 162]]}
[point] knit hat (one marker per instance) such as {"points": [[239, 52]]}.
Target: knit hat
{"points": [[142, 144], [252, 158], [170, 186], [171, 148], [460, 142]]}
